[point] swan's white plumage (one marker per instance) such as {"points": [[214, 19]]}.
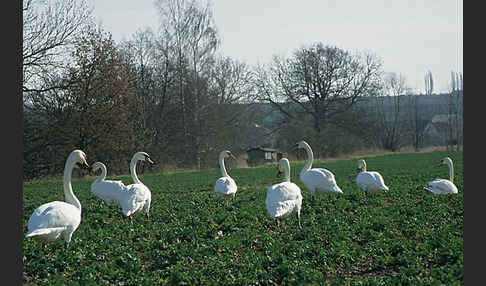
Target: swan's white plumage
{"points": [[282, 199], [107, 190], [370, 181], [319, 179], [138, 196], [441, 187], [285, 197], [52, 220], [225, 185], [316, 179], [444, 186], [138, 199]]}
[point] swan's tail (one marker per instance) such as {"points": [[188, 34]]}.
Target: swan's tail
{"points": [[127, 212], [44, 231], [430, 190], [337, 189]]}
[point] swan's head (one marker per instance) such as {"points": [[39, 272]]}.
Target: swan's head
{"points": [[78, 157], [301, 145], [142, 156], [282, 164], [445, 161], [96, 166], [361, 165], [227, 154]]}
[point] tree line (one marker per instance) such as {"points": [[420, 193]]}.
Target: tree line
{"points": [[171, 93]]}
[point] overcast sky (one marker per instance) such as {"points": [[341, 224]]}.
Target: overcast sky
{"points": [[410, 36]]}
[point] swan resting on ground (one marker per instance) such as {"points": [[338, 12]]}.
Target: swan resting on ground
{"points": [[316, 179], [369, 181], [225, 186], [443, 186], [51, 220], [137, 197], [284, 198], [107, 190]]}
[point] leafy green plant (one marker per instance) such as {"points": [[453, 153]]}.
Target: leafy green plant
{"points": [[403, 236]]}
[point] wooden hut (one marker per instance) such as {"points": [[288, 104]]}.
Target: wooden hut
{"points": [[260, 155]]}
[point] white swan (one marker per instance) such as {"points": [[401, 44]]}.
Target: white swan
{"points": [[316, 179], [284, 198], [443, 186], [137, 197], [225, 186], [51, 220], [107, 190], [369, 181]]}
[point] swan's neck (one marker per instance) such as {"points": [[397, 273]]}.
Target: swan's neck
{"points": [[133, 171], [69, 196], [363, 169], [286, 173], [451, 171], [222, 167], [310, 158], [102, 176]]}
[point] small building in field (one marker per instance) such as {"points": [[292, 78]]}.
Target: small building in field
{"points": [[260, 155]]}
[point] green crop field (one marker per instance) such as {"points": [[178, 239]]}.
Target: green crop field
{"points": [[404, 236]]}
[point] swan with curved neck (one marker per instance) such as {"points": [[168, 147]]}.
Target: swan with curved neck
{"points": [[316, 179], [443, 186], [138, 197], [107, 190], [369, 181], [225, 185], [284, 198], [139, 156], [51, 220]]}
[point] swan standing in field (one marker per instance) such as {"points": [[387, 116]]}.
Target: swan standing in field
{"points": [[443, 186], [137, 196], [107, 190], [51, 220], [316, 179], [225, 186], [369, 181], [284, 198]]}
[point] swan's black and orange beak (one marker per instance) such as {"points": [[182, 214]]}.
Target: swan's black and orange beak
{"points": [[295, 147], [232, 156], [148, 159]]}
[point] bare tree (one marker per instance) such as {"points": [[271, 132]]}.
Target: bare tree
{"points": [[416, 122], [49, 28], [390, 111], [141, 59], [230, 85], [429, 83], [203, 42], [231, 81], [454, 116], [320, 81], [188, 28]]}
